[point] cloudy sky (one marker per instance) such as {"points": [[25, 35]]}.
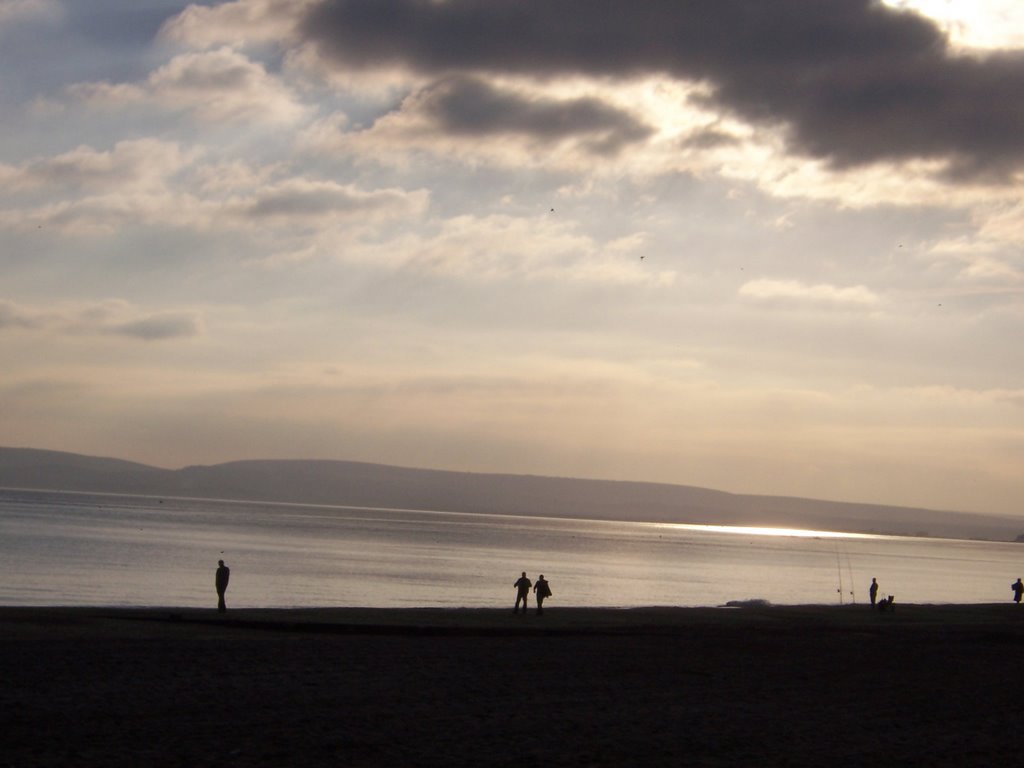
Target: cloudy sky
{"points": [[761, 247]]}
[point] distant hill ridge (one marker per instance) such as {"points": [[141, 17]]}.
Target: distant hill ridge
{"points": [[377, 485]]}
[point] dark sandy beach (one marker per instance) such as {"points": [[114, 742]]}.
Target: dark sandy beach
{"points": [[809, 685]]}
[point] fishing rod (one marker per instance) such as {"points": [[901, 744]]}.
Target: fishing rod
{"points": [[849, 566], [839, 570], [849, 572]]}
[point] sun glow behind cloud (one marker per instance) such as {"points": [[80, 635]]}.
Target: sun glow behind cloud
{"points": [[974, 24]]}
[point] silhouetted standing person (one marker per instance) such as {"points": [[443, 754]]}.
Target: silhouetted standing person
{"points": [[223, 574], [542, 590], [1018, 590], [873, 592], [522, 586]]}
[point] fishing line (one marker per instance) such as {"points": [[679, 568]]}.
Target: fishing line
{"points": [[839, 571]]}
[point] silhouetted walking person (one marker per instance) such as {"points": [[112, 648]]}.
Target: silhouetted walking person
{"points": [[873, 592], [522, 586], [1018, 590], [542, 590], [223, 574]]}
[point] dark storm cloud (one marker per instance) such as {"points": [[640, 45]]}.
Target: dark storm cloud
{"points": [[471, 107], [302, 201], [709, 139], [159, 327], [854, 81]]}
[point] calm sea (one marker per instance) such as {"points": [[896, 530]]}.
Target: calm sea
{"points": [[108, 550]]}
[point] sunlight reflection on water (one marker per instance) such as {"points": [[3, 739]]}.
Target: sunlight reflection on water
{"points": [[801, 533]]}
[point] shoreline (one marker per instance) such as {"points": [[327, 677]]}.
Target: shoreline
{"points": [[859, 615], [764, 685], [923, 619]]}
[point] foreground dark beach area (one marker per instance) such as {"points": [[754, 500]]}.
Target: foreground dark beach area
{"points": [[807, 685]]}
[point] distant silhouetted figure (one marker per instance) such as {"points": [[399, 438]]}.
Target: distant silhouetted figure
{"points": [[542, 590], [223, 574], [1018, 590], [873, 592], [522, 586], [887, 604]]}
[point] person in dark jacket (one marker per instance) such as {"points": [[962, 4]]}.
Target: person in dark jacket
{"points": [[542, 590], [1018, 590], [221, 581], [522, 586], [873, 592]]}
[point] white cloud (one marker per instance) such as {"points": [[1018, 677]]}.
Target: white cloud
{"points": [[92, 192], [228, 176], [991, 252], [821, 293], [983, 24], [499, 247], [381, 87], [113, 214], [217, 85], [995, 270], [325, 134], [137, 164], [155, 184], [14, 10], [1002, 224], [236, 23], [292, 209]]}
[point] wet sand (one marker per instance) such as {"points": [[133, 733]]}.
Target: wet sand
{"points": [[802, 685]]}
